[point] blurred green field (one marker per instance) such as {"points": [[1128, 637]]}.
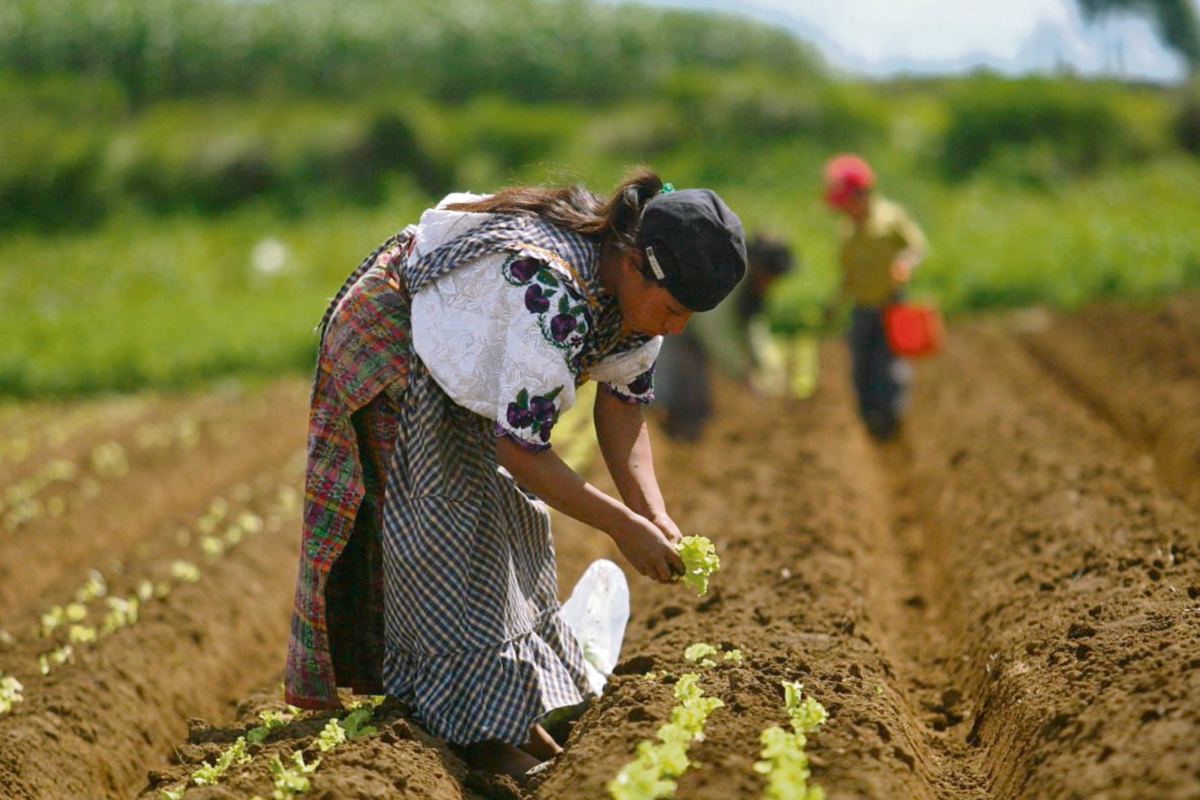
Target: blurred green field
{"points": [[178, 209]]}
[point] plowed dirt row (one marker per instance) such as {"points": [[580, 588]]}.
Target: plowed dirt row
{"points": [[1003, 604], [90, 727], [130, 479]]}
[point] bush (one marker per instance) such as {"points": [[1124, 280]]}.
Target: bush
{"points": [[48, 177], [531, 50], [752, 107], [1187, 121], [216, 155], [1031, 129], [52, 136], [493, 140]]}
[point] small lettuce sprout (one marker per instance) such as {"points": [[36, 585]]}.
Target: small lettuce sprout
{"points": [[10, 693], [93, 588], [291, 782], [184, 571], [82, 634], [651, 775], [58, 657], [355, 723], [784, 761], [336, 731], [806, 713], [271, 720], [331, 736], [699, 561], [212, 546], [121, 612], [209, 774]]}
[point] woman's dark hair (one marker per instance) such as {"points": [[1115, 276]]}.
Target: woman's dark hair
{"points": [[614, 220]]}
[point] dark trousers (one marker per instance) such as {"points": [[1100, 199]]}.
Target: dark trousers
{"points": [[880, 379], [681, 386]]}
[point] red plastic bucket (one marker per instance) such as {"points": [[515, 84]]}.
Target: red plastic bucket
{"points": [[913, 329]]}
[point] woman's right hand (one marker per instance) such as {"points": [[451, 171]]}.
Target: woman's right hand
{"points": [[646, 548]]}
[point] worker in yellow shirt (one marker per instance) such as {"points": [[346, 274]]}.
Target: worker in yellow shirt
{"points": [[880, 247]]}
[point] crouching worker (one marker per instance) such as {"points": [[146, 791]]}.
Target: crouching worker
{"points": [[880, 247], [427, 569], [721, 340]]}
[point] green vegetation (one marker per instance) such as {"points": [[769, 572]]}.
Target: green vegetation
{"points": [[450, 49], [291, 781], [10, 693], [651, 774], [210, 774], [185, 183], [288, 781], [784, 760], [700, 561]]}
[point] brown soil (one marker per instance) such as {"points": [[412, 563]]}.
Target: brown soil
{"points": [[1005, 603]]}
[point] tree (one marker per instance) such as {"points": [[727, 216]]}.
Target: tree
{"points": [[1176, 20]]}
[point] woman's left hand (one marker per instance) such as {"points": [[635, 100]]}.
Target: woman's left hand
{"points": [[667, 525], [671, 531]]}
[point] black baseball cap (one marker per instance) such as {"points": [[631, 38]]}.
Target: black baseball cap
{"points": [[693, 245]]}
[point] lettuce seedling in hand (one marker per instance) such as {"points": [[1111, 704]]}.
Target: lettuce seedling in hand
{"points": [[699, 561]]}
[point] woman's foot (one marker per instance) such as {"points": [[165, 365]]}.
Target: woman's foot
{"points": [[541, 745]]}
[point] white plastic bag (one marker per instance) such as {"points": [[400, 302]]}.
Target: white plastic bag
{"points": [[596, 613]]}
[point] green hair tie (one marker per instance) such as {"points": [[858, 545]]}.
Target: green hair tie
{"points": [[666, 189]]}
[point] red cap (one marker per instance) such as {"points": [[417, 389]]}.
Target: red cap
{"points": [[845, 174]]}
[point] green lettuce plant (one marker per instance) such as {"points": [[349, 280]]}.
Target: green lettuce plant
{"points": [[291, 781], [699, 561], [11, 693], [784, 761], [209, 774], [651, 775], [270, 721]]}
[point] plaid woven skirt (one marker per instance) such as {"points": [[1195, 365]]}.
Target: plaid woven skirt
{"points": [[426, 572]]}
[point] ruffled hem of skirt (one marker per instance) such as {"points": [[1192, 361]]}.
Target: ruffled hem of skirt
{"points": [[494, 693]]}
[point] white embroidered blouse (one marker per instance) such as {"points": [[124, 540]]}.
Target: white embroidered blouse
{"points": [[495, 334]]}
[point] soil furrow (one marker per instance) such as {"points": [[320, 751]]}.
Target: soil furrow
{"points": [[793, 595], [31, 433], [1005, 604], [91, 728], [1071, 567], [161, 488], [1140, 371], [905, 592]]}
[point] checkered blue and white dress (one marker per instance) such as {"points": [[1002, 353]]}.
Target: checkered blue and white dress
{"points": [[426, 572]]}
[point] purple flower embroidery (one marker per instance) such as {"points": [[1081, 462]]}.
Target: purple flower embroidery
{"points": [[537, 414], [535, 300], [561, 326], [642, 383], [518, 417], [561, 311], [525, 269], [542, 410]]}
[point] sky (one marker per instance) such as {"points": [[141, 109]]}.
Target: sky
{"points": [[885, 37]]}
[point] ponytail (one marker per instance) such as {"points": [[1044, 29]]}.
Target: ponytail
{"points": [[622, 211], [614, 220]]}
